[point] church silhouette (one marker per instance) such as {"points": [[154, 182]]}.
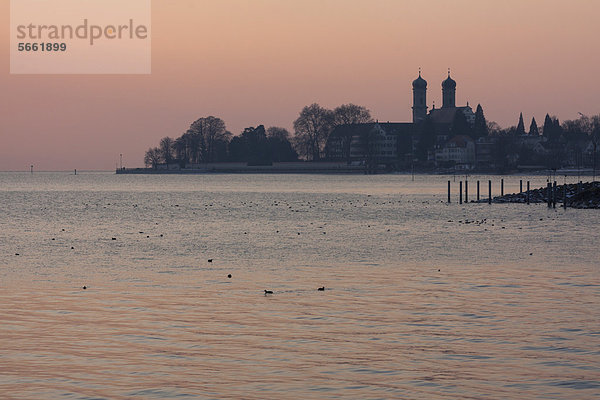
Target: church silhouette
{"points": [[393, 145]]}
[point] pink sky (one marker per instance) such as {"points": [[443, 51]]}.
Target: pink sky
{"points": [[260, 61]]}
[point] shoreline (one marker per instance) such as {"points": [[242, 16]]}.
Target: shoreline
{"points": [[333, 168], [578, 195]]}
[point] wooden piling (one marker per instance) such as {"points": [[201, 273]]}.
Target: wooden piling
{"points": [[477, 190], [549, 194], [565, 196], [502, 187], [466, 191], [527, 192], [448, 192], [520, 185], [460, 192], [490, 191]]}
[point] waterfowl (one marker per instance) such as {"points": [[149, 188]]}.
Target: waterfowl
{"points": [[268, 292]]}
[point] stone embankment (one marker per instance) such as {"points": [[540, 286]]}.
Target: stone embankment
{"points": [[585, 195]]}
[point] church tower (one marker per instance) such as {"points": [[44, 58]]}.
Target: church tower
{"points": [[449, 92], [419, 98]]}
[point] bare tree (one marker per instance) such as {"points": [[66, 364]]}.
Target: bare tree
{"points": [[351, 114], [206, 133], [166, 149], [493, 128], [312, 128], [153, 157], [181, 150]]}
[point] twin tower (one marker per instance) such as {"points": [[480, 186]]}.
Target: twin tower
{"points": [[420, 96]]}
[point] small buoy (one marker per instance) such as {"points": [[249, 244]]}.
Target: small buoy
{"points": [[210, 260], [268, 292], [85, 287], [17, 254], [148, 236], [72, 248], [322, 288], [229, 276], [53, 239], [161, 235], [530, 254], [439, 270], [114, 238]]}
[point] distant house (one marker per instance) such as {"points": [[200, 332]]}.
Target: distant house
{"points": [[539, 149], [459, 150], [530, 141], [484, 152], [376, 142], [580, 153]]}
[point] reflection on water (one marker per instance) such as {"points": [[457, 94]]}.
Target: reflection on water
{"points": [[422, 299]]}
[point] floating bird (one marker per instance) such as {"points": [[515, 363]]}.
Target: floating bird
{"points": [[210, 260], [229, 276], [322, 288], [85, 287], [268, 292]]}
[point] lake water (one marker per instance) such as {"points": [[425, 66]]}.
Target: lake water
{"points": [[422, 299]]}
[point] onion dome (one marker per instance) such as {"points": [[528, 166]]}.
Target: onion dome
{"points": [[419, 83], [449, 83]]}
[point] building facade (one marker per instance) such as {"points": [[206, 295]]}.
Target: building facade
{"points": [[388, 143]]}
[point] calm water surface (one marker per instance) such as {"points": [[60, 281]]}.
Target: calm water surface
{"points": [[423, 300]]}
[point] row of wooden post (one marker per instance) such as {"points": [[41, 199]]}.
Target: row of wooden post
{"points": [[551, 188], [460, 190], [553, 194]]}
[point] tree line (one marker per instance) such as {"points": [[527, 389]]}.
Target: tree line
{"points": [[570, 143], [208, 140]]}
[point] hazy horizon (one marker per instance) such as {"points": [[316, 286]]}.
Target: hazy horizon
{"points": [[260, 62]]}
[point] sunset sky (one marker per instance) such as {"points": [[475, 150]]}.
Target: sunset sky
{"points": [[253, 62]]}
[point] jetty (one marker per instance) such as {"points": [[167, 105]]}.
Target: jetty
{"points": [[575, 195], [300, 167]]}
